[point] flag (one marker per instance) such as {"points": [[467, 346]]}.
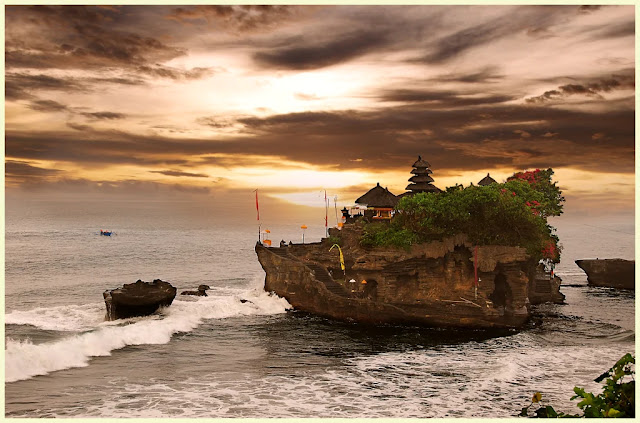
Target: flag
{"points": [[326, 210], [341, 256], [475, 265]]}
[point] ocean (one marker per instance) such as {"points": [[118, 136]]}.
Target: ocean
{"points": [[216, 356]]}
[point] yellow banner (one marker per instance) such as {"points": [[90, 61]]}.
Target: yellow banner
{"points": [[341, 256]]}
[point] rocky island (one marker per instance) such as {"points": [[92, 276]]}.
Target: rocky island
{"points": [[388, 268], [611, 273]]}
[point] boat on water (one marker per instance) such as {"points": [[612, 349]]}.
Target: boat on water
{"points": [[105, 233]]}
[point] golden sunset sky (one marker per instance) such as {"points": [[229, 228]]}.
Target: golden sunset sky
{"points": [[216, 101]]}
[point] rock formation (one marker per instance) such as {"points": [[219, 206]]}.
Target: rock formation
{"points": [[431, 284], [138, 299], [201, 292], [545, 288], [612, 273]]}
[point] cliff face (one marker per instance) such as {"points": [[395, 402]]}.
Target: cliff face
{"points": [[612, 273], [432, 284]]}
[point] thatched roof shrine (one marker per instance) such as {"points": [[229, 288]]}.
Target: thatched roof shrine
{"points": [[378, 197], [487, 180]]}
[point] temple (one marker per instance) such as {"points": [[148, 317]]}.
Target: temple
{"points": [[487, 180], [379, 202], [450, 282], [421, 181]]}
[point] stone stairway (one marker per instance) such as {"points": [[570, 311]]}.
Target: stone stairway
{"points": [[322, 275], [543, 285]]}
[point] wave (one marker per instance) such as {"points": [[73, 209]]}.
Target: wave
{"points": [[24, 360]]}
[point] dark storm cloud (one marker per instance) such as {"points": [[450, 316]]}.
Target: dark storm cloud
{"points": [[624, 79], [318, 54], [179, 173]]}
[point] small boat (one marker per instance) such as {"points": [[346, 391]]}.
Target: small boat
{"points": [[105, 233]]}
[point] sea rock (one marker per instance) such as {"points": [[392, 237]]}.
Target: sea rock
{"points": [[431, 284], [201, 292], [138, 299], [612, 273]]}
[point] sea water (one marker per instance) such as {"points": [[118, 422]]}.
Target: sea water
{"points": [[217, 356]]}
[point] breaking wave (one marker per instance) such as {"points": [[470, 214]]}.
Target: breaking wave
{"points": [[95, 337]]}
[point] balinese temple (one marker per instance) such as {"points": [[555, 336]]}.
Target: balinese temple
{"points": [[487, 180], [380, 203], [421, 181]]}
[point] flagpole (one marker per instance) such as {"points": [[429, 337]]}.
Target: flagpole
{"points": [[258, 212], [326, 214]]}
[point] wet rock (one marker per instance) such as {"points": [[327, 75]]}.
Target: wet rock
{"points": [[431, 284], [201, 292], [611, 273], [138, 299]]}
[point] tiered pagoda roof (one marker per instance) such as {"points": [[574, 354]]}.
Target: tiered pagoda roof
{"points": [[421, 181]]}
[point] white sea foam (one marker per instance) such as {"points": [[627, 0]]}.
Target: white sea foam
{"points": [[485, 380], [23, 359], [62, 318]]}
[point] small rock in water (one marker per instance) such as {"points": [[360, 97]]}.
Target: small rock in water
{"points": [[138, 299], [201, 292]]}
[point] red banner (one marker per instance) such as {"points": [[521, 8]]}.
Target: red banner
{"points": [[475, 265], [257, 207]]}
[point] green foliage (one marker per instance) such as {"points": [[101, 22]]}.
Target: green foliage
{"points": [[540, 181], [334, 240], [616, 400], [513, 213], [380, 234]]}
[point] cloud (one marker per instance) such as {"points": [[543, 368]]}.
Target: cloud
{"points": [[489, 75], [20, 86], [523, 134], [493, 135], [104, 115], [625, 79], [589, 8], [178, 173], [78, 37], [235, 17], [441, 98], [315, 54], [21, 170], [175, 74], [47, 106]]}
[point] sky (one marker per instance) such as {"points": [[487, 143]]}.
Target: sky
{"points": [[212, 102]]}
